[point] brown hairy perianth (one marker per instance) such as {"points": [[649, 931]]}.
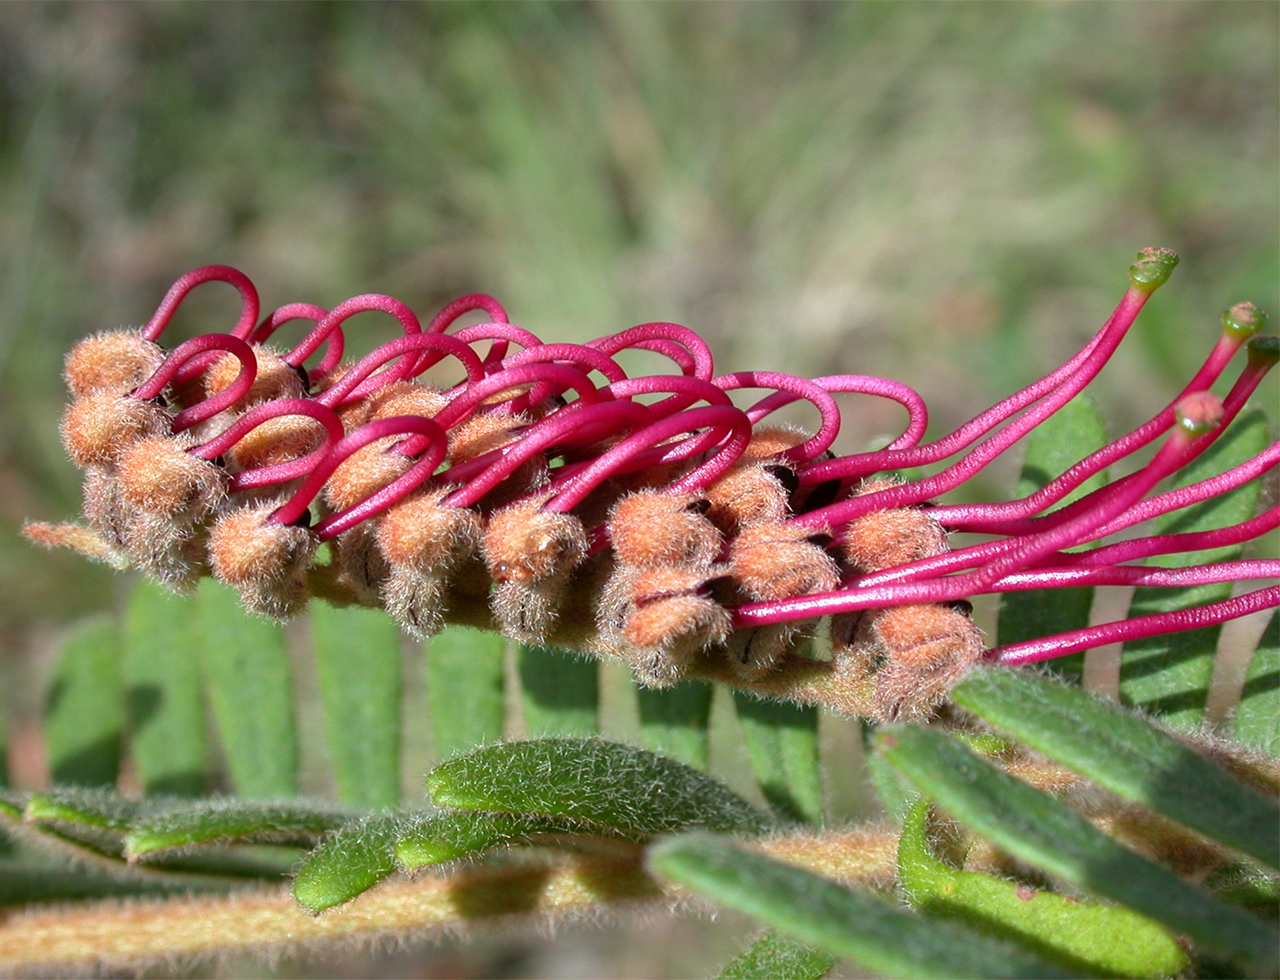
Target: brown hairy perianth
{"points": [[365, 472], [745, 495], [265, 562], [275, 378], [531, 554], [277, 440], [158, 476], [101, 425], [775, 561], [649, 529], [116, 360]]}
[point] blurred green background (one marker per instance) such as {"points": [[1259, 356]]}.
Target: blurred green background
{"points": [[948, 194]]}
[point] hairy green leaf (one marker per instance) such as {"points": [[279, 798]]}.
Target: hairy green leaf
{"points": [[774, 955], [1068, 435], [294, 822], [1169, 675], [249, 682], [358, 668], [673, 721], [84, 707], [841, 920], [561, 693], [1042, 831], [782, 740], [22, 882], [95, 819], [1127, 755], [619, 786], [1258, 714], [350, 861], [446, 836], [1101, 939], [162, 692], [465, 689]]}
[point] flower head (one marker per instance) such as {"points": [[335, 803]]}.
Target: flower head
{"points": [[647, 518]]}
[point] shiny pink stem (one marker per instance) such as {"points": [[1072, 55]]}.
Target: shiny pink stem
{"points": [[206, 273], [190, 350]]}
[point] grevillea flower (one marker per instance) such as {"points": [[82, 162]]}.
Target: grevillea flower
{"points": [[548, 494]]}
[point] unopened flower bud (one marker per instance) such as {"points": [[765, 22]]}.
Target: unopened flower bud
{"points": [[778, 561], [928, 648], [650, 529], [97, 428], [275, 378], [265, 562], [159, 477], [886, 538], [421, 532], [531, 554], [274, 441], [118, 360], [364, 473], [745, 495]]}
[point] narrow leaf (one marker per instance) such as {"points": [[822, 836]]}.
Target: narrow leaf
{"points": [[673, 721], [22, 883], [560, 693], [84, 709], [619, 786], [1044, 832], [294, 822], [848, 923], [1258, 714], [350, 861], [465, 689], [1127, 755], [162, 692], [1170, 675], [775, 955], [782, 740], [1066, 437], [1098, 939], [358, 668], [247, 674], [446, 836]]}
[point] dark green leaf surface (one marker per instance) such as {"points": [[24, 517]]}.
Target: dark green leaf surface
{"points": [[84, 708], [843, 921], [1122, 752], [351, 861], [228, 820], [465, 689], [619, 786], [1109, 940], [162, 692], [446, 836], [250, 686], [1042, 831], [773, 956], [358, 666], [1063, 439], [1170, 675], [1258, 714], [673, 721], [561, 693], [22, 882], [782, 740]]}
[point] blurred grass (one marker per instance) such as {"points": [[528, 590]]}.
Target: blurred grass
{"points": [[947, 194]]}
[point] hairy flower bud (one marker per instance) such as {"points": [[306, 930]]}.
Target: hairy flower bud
{"points": [[117, 360], [265, 562], [159, 477], [364, 473], [885, 538], [276, 378], [97, 428], [927, 648], [777, 561], [748, 494], [531, 554], [650, 529]]}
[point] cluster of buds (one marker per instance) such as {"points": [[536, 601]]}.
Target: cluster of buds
{"points": [[643, 517]]}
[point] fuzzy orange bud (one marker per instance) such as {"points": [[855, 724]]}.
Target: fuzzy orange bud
{"points": [[746, 495], [422, 533], [778, 561], [97, 428], [118, 360], [277, 440], [886, 538], [364, 473], [650, 529], [265, 562], [531, 554], [928, 649], [158, 476], [275, 378]]}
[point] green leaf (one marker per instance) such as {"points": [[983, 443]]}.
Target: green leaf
{"points": [[619, 786], [894, 793], [350, 861], [782, 740], [446, 836], [465, 689], [1063, 439], [22, 882], [1044, 832], [1127, 755], [673, 721], [561, 693], [1258, 714], [1170, 675], [95, 819], [1099, 939], [4, 746], [773, 956], [84, 708], [162, 692], [358, 667], [249, 680], [843, 921], [293, 822]]}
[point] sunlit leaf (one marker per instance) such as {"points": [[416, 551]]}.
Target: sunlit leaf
{"points": [[843, 921], [782, 740], [774, 955], [445, 836], [1102, 939], [1044, 832], [358, 666], [561, 693], [1069, 435], [350, 861], [465, 689], [1169, 675], [224, 820], [619, 786], [673, 721], [1258, 714], [84, 707]]}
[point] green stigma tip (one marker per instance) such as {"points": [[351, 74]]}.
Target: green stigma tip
{"points": [[1264, 350], [1199, 412], [1243, 320], [1152, 268]]}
